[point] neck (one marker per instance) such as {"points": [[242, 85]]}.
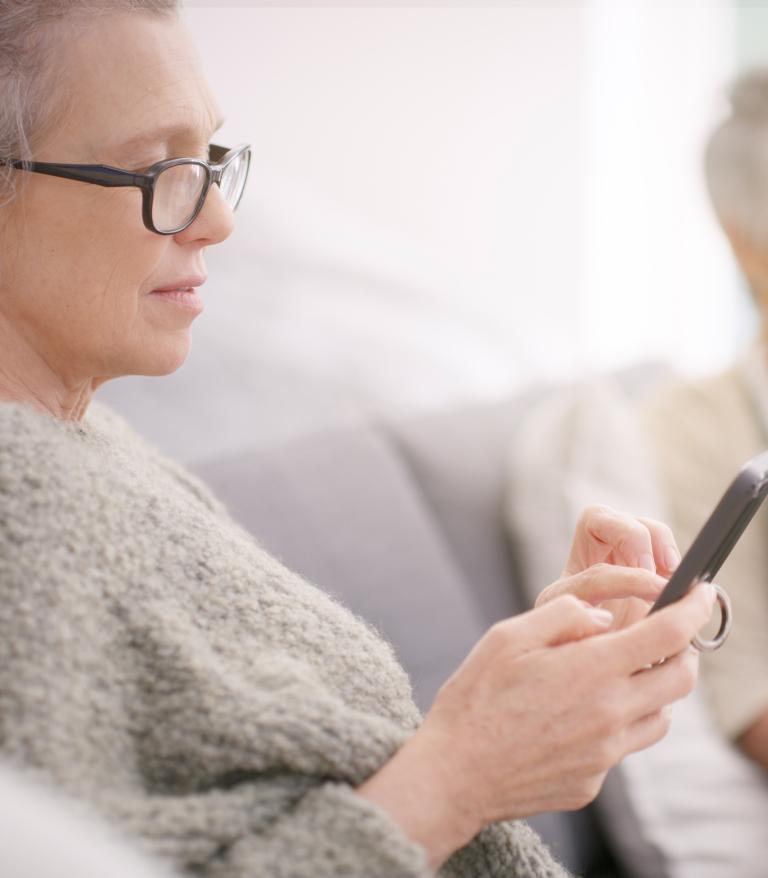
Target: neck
{"points": [[28, 377]]}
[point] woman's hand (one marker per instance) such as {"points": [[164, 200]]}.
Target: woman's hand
{"points": [[538, 713], [606, 537]]}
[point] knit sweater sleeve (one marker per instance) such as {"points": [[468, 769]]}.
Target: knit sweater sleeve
{"points": [[338, 833], [331, 831], [183, 775]]}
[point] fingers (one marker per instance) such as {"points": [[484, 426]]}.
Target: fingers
{"points": [[665, 551], [629, 540], [652, 689], [662, 634], [561, 620], [646, 731], [633, 541], [604, 582]]}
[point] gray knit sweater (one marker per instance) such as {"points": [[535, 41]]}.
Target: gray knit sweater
{"points": [[156, 663]]}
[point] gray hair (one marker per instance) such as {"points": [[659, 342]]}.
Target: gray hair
{"points": [[27, 76], [736, 160]]}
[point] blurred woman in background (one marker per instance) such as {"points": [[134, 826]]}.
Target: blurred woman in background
{"points": [[702, 432]]}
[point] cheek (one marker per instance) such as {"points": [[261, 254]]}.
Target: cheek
{"points": [[83, 254]]}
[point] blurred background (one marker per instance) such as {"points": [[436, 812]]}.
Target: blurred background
{"points": [[449, 202]]}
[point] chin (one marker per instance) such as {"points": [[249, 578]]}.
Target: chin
{"points": [[165, 358]]}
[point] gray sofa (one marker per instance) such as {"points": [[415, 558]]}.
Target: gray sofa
{"points": [[403, 523]]}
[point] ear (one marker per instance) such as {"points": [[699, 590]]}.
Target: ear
{"points": [[753, 262], [751, 257]]}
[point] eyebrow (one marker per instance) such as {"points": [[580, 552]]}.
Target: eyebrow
{"points": [[163, 134]]}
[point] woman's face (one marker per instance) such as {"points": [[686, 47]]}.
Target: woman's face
{"points": [[77, 265]]}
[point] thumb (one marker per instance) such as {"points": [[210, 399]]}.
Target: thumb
{"points": [[562, 620]]}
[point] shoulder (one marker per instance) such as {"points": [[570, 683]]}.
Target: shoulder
{"points": [[37, 452], [700, 404], [37, 448], [700, 433], [48, 495], [711, 421], [148, 458], [84, 468]]}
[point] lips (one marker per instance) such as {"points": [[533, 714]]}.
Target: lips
{"points": [[181, 294], [186, 283]]}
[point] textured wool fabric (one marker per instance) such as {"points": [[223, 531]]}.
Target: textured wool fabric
{"points": [[158, 664]]}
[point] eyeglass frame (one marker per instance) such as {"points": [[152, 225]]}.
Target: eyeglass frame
{"points": [[105, 175]]}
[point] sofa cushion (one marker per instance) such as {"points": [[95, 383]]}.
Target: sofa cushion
{"points": [[458, 460]]}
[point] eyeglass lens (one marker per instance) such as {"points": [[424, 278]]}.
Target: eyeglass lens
{"points": [[178, 190], [233, 179]]}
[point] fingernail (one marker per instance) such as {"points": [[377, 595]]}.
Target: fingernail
{"points": [[601, 617], [671, 558], [647, 563]]}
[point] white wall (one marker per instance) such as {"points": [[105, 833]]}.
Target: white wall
{"points": [[434, 151], [659, 279], [448, 201]]}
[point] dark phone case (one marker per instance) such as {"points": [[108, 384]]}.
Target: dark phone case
{"points": [[721, 531]]}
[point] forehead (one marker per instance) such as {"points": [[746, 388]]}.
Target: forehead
{"points": [[131, 73]]}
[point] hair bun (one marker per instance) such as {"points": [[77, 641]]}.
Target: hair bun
{"points": [[749, 95]]}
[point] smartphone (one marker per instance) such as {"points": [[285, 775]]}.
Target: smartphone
{"points": [[721, 531]]}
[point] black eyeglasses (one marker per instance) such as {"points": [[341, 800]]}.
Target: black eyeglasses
{"points": [[173, 191]]}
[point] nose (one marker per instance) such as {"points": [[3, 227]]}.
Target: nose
{"points": [[214, 224]]}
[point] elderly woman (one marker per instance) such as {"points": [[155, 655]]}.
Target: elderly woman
{"points": [[154, 661], [703, 431]]}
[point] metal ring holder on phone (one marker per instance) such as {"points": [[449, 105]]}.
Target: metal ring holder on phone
{"points": [[726, 620]]}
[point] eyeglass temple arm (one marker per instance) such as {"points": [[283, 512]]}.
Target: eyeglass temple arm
{"points": [[101, 175], [217, 152]]}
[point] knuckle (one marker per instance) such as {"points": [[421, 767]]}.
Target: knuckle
{"points": [[676, 633], [581, 791], [584, 794], [661, 527], [556, 590], [659, 725], [592, 787], [604, 755], [664, 721], [634, 530], [570, 603], [497, 636], [666, 531], [566, 606], [592, 511], [688, 672]]}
